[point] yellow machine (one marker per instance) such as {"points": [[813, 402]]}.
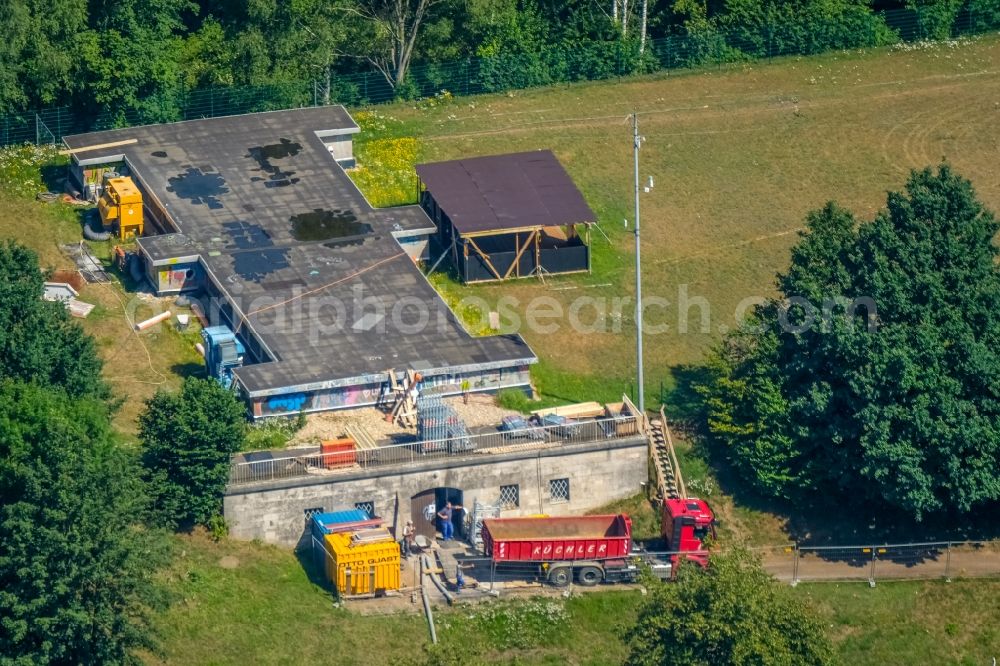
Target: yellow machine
{"points": [[121, 205]]}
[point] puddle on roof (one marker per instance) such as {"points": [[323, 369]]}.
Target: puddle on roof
{"points": [[333, 245], [199, 187], [159, 153], [321, 224], [254, 265], [278, 151], [275, 151], [246, 235]]}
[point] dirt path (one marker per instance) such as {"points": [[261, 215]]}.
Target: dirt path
{"points": [[891, 562]]}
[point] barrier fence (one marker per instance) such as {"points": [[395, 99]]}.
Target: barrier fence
{"points": [[261, 466], [788, 563], [944, 560], [587, 61]]}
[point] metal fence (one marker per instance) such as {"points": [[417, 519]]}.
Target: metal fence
{"points": [[467, 76], [788, 563], [256, 467], [944, 560]]}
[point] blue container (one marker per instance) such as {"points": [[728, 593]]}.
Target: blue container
{"points": [[323, 522]]}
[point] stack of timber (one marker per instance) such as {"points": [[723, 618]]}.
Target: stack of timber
{"points": [[364, 442], [581, 410]]}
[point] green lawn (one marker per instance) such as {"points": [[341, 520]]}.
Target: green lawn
{"points": [[265, 609], [912, 622], [738, 158], [135, 364]]}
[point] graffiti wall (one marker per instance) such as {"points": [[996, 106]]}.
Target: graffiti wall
{"points": [[178, 277], [361, 396], [340, 398]]}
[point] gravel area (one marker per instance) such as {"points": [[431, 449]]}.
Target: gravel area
{"points": [[482, 410]]}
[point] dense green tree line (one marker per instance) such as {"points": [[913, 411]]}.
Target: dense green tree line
{"points": [[76, 559], [876, 379], [138, 60], [81, 514]]}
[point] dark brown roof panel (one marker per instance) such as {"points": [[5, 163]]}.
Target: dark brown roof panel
{"points": [[505, 192]]}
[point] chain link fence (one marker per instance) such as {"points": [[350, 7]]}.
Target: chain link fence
{"points": [[585, 62]]}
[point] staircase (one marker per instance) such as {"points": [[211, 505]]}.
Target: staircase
{"points": [[670, 484]]}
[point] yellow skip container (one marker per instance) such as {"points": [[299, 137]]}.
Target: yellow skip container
{"points": [[354, 560]]}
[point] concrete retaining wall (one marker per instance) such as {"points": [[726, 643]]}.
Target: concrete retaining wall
{"points": [[598, 473]]}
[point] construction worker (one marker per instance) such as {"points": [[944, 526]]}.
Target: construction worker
{"points": [[409, 534], [447, 527]]}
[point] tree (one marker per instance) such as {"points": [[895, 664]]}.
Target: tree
{"points": [[37, 54], [733, 612], [312, 38], [38, 340], [76, 565], [132, 60], [388, 31], [935, 17], [985, 14], [876, 380], [188, 440]]}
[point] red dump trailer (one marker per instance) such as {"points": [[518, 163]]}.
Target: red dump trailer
{"points": [[592, 549], [599, 549]]}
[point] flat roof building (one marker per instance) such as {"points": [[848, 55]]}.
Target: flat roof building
{"points": [[257, 214]]}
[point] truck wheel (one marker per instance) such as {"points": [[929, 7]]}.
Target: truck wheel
{"points": [[590, 576], [560, 576]]}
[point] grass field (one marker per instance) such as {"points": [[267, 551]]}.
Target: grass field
{"points": [[135, 364], [738, 157], [238, 603]]}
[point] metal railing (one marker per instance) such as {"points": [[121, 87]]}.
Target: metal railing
{"points": [[264, 466], [470, 76], [943, 560]]}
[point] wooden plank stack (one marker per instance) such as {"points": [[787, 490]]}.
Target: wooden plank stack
{"points": [[580, 410]]}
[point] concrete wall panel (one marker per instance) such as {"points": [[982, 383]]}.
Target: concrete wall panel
{"points": [[598, 473]]}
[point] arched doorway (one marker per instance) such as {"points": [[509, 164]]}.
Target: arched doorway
{"points": [[425, 505]]}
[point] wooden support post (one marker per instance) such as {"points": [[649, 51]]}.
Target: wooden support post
{"points": [[486, 258], [517, 256], [443, 255], [518, 252], [538, 253]]}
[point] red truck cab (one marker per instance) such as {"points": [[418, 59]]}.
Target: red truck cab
{"points": [[686, 526]]}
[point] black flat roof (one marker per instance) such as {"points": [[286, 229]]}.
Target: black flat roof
{"points": [[309, 267], [505, 192]]}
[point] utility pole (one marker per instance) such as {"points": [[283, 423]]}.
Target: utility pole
{"points": [[637, 142]]}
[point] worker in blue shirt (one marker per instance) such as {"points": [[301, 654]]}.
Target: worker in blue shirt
{"points": [[447, 527]]}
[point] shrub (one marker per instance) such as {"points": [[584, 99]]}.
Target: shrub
{"points": [[188, 440]]}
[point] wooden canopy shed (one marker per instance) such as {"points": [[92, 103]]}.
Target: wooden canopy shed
{"points": [[508, 216]]}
